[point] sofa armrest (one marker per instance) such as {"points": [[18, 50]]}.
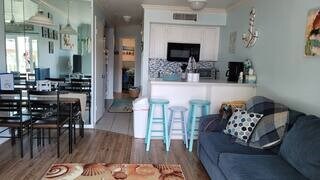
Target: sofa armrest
{"points": [[212, 123]]}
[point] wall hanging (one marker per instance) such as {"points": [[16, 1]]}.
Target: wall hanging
{"points": [[250, 38], [232, 42], [312, 47]]}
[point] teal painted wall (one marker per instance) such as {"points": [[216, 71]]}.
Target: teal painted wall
{"points": [[284, 73]]}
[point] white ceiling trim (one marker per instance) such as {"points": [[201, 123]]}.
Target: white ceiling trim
{"points": [[182, 8]]}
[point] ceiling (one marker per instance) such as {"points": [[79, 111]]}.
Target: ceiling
{"points": [[117, 8], [76, 6], [58, 6]]}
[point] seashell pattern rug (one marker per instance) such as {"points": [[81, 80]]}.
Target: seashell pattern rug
{"points": [[105, 171]]}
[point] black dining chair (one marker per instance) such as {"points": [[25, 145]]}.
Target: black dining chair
{"points": [[83, 86], [44, 107], [12, 117]]}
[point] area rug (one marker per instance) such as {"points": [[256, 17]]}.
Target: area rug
{"points": [[104, 171], [121, 106]]}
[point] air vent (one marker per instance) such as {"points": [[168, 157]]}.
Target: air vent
{"points": [[185, 17]]}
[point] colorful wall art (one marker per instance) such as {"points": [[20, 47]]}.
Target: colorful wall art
{"points": [[312, 47]]}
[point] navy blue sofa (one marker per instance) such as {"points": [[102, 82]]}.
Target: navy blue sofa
{"points": [[298, 157]]}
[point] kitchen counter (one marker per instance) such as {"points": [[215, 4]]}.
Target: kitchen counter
{"points": [[201, 82], [179, 93]]}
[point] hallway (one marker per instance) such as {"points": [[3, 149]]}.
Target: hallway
{"points": [[121, 123]]}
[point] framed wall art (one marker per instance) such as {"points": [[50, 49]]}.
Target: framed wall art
{"points": [[312, 36], [51, 47]]}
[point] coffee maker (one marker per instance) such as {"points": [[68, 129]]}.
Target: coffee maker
{"points": [[234, 71]]}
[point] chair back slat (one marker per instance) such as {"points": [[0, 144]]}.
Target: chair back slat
{"points": [[43, 104], [10, 104]]}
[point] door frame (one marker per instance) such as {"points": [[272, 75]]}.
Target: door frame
{"points": [[93, 69]]}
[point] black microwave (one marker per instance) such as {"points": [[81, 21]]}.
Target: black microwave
{"points": [[181, 52]]}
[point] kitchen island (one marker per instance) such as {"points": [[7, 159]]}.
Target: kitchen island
{"points": [[179, 93], [216, 91]]}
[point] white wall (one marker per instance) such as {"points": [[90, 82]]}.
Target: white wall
{"points": [[284, 73], [99, 62], [128, 31], [158, 15], [110, 71], [2, 40]]}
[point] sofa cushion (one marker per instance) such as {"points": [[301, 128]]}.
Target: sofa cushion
{"points": [[215, 143], [301, 146], [257, 167]]}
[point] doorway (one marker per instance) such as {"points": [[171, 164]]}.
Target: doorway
{"points": [[128, 59]]}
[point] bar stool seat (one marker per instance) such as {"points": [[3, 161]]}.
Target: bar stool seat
{"points": [[199, 102], [195, 104], [163, 103], [159, 101], [178, 108]]}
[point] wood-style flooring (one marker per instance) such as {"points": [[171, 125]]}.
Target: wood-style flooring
{"points": [[96, 146]]}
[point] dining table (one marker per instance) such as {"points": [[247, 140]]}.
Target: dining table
{"points": [[65, 98]]}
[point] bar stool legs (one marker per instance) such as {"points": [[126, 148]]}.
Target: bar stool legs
{"points": [[193, 116], [165, 125], [152, 120], [149, 127], [181, 111], [192, 127]]}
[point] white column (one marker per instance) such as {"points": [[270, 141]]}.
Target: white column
{"points": [[3, 65]]}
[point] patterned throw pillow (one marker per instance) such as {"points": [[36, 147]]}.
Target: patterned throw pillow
{"points": [[241, 124]]}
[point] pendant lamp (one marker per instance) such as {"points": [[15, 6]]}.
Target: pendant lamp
{"points": [[40, 19], [68, 28]]}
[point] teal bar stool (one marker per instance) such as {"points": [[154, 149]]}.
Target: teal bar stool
{"points": [[195, 105], [181, 111], [163, 103]]}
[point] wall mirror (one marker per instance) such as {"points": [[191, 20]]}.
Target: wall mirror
{"points": [[37, 46]]}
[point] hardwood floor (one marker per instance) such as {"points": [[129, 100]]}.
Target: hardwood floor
{"points": [[96, 146]]}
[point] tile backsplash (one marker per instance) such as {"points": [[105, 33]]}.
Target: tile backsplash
{"points": [[162, 67]]}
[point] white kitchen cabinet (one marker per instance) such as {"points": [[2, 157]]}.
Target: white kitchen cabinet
{"points": [[207, 37], [158, 41], [210, 44]]}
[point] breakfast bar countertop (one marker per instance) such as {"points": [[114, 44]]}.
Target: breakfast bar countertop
{"points": [[201, 82]]}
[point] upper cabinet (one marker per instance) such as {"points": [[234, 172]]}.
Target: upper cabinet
{"points": [[158, 42], [207, 37]]}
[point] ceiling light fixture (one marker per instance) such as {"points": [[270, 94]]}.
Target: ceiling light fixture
{"points": [[68, 28], [127, 19], [197, 5], [12, 21], [39, 19]]}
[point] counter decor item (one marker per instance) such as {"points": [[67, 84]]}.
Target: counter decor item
{"points": [[240, 80], [249, 74], [193, 77], [250, 38], [312, 35], [251, 78]]}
